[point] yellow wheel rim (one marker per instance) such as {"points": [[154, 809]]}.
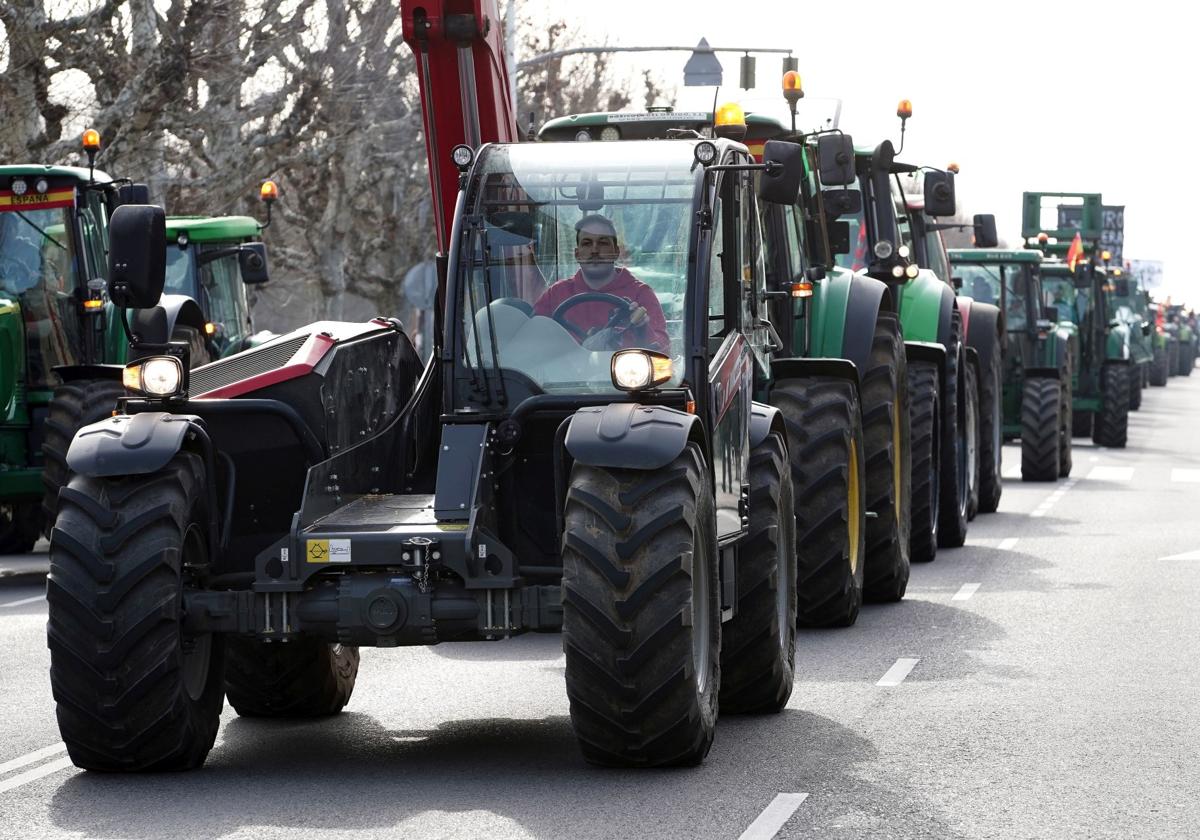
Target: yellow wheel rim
{"points": [[853, 506], [896, 482]]}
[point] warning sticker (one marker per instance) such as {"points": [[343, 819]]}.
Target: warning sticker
{"points": [[664, 116], [339, 551], [317, 551]]}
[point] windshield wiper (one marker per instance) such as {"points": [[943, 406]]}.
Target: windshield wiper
{"points": [[29, 222]]}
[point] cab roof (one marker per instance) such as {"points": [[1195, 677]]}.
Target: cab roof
{"points": [[642, 125], [995, 255], [32, 170], [213, 228]]}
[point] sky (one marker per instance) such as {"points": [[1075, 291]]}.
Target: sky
{"points": [[1046, 96]]}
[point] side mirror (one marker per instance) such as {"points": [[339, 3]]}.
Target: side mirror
{"points": [[1082, 280], [839, 237], [841, 202], [1122, 287], [252, 259], [814, 273], [835, 159], [956, 282], [1050, 313], [1146, 327], [127, 194], [137, 255], [780, 184], [985, 231], [939, 194]]}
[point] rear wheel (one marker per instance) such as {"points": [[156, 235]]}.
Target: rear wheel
{"points": [[1041, 429], [825, 440], [924, 397], [888, 452], [1135, 388], [1172, 357], [74, 405], [1187, 358], [758, 647], [991, 428], [1112, 422], [1158, 367], [298, 678], [641, 612], [956, 452], [134, 689], [972, 393], [1064, 433]]}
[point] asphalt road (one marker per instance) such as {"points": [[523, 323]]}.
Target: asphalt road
{"points": [[1040, 682]]}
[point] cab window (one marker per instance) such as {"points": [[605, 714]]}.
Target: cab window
{"points": [[226, 296]]}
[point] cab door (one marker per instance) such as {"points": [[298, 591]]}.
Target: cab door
{"points": [[735, 267]]}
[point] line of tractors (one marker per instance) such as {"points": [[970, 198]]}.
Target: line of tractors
{"points": [[699, 378]]}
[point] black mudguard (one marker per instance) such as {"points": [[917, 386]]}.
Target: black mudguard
{"points": [[630, 436], [804, 368], [76, 373], [984, 332], [764, 419], [136, 444], [867, 297], [157, 324], [927, 351]]}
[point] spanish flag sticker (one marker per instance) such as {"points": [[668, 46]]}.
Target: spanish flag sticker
{"points": [[59, 197]]}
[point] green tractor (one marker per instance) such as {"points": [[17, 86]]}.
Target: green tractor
{"points": [[1127, 303], [837, 369], [1102, 367], [1180, 328], [943, 392], [1037, 355], [1164, 344]]}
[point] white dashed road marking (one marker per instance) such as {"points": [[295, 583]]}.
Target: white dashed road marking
{"points": [[1185, 476], [40, 772], [31, 758], [24, 601], [1007, 543], [898, 672], [772, 819], [1187, 555], [1111, 474], [968, 589], [1059, 493]]}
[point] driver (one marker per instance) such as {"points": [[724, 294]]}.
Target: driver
{"points": [[596, 249]]}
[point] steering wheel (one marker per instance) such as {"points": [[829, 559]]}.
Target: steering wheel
{"points": [[620, 313]]}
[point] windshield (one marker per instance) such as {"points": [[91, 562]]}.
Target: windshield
{"points": [[582, 250], [1060, 292], [35, 251], [982, 281], [180, 271]]}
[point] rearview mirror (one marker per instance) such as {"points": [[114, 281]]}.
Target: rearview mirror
{"points": [[1122, 285], [985, 231], [1050, 313], [1146, 327], [780, 183], [252, 259], [127, 194], [939, 194], [835, 159], [839, 237], [956, 282], [1082, 279], [841, 202], [137, 255]]}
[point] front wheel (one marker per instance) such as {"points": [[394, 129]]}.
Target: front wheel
{"points": [[972, 394], [758, 646], [926, 409], [298, 678], [1112, 421], [1041, 429], [991, 427], [641, 612], [135, 691]]}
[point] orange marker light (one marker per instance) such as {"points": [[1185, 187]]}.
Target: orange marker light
{"points": [[210, 328], [802, 290], [93, 304], [793, 89], [1106, 255], [730, 121], [904, 109], [91, 140], [953, 167], [269, 191], [1043, 238]]}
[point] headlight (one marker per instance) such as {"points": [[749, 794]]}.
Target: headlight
{"points": [[159, 376], [902, 252], [912, 271], [633, 370], [897, 271], [19, 187], [583, 135], [706, 152], [610, 133], [883, 249]]}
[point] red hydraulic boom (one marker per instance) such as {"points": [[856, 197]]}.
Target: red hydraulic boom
{"points": [[465, 90]]}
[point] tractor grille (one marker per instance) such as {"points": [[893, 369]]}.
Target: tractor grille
{"points": [[244, 365]]}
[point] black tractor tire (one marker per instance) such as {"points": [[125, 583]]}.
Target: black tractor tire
{"points": [[1172, 357], [642, 613], [134, 690], [955, 464], [758, 645], [971, 389], [1187, 358], [294, 679], [1135, 388], [74, 405], [1158, 367], [20, 527], [1065, 414], [1081, 423], [1112, 421], [991, 434], [888, 450], [825, 444], [1041, 428], [925, 398]]}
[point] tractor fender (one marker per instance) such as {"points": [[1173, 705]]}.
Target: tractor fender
{"points": [[846, 307], [157, 324], [631, 436], [1043, 373], [765, 419], [927, 309], [983, 329], [806, 368], [136, 444], [74, 373], [1116, 344], [927, 351]]}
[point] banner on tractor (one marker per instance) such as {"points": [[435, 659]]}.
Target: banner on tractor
{"points": [[1149, 273], [56, 196], [1112, 231]]}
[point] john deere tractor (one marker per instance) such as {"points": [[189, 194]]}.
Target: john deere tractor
{"points": [[837, 356], [1102, 367], [1037, 355], [1180, 327], [1127, 303]]}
